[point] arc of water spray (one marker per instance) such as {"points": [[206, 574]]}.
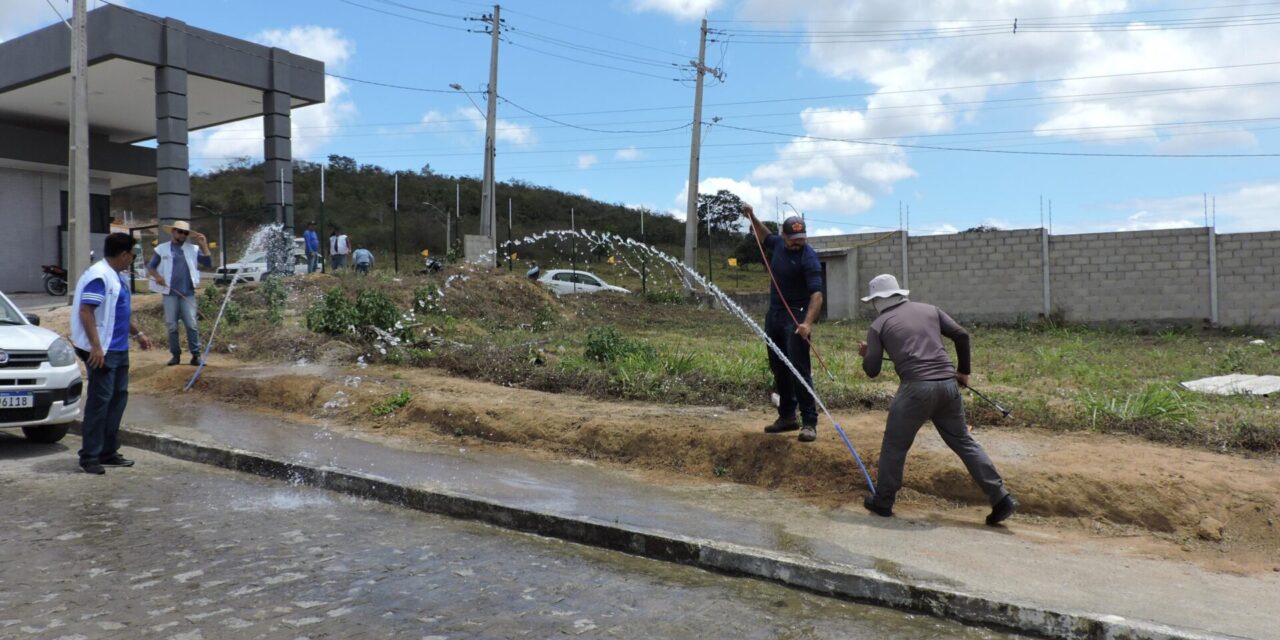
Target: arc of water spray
{"points": [[690, 276]]}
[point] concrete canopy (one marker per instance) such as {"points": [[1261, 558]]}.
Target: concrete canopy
{"points": [[225, 80]]}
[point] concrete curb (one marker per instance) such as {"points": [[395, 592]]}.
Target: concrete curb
{"points": [[857, 584]]}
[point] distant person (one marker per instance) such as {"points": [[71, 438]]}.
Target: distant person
{"points": [[312, 241], [363, 259], [911, 333], [101, 323], [339, 249], [798, 273], [175, 272], [534, 271]]}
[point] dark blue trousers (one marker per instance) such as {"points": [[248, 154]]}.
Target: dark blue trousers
{"points": [[782, 331], [105, 398]]}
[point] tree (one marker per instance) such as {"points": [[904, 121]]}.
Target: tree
{"points": [[342, 163], [748, 251], [982, 228], [724, 210]]}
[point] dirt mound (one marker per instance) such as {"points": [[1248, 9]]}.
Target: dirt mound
{"points": [[1101, 483]]}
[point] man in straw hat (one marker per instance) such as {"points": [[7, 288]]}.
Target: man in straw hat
{"points": [[174, 271], [912, 333]]}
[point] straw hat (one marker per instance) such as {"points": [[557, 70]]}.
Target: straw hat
{"points": [[884, 286], [180, 225]]}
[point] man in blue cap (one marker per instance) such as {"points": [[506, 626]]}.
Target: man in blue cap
{"points": [[794, 304]]}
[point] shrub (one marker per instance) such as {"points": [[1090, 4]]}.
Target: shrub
{"points": [[389, 405], [669, 296], [333, 314], [607, 344], [209, 304], [275, 295], [1155, 404], [374, 309]]}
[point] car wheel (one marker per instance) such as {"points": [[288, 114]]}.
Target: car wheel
{"points": [[45, 435]]}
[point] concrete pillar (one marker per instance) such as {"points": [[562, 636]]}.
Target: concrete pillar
{"points": [[1213, 276], [173, 182], [1044, 271], [277, 142]]}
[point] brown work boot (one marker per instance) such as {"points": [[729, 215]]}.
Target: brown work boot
{"points": [[808, 433], [782, 425]]}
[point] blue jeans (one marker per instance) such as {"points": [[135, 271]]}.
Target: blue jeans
{"points": [[363, 267], [782, 331], [313, 262], [339, 260], [106, 397], [179, 308]]}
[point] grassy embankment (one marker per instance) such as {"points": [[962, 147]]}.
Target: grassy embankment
{"points": [[508, 331]]}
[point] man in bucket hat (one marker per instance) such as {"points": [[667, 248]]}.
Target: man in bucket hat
{"points": [[911, 333], [175, 273], [798, 274]]}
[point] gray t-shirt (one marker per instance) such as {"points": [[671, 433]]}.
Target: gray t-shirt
{"points": [[911, 333]]}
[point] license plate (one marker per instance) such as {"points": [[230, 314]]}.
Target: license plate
{"points": [[16, 400]]}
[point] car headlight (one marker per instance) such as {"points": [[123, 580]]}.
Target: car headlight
{"points": [[61, 354]]}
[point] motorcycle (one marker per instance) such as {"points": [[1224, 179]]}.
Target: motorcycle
{"points": [[55, 280]]}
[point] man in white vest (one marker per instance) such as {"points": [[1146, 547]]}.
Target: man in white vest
{"points": [[101, 323], [175, 272], [339, 248]]}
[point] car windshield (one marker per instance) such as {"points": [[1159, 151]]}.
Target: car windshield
{"points": [[254, 258], [9, 314]]}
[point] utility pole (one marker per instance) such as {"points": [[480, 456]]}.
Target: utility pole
{"points": [[78, 225], [457, 212], [691, 209], [488, 209], [644, 262], [395, 224], [324, 240]]}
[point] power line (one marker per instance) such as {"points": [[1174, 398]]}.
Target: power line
{"points": [[1003, 19], [410, 18], [575, 126], [586, 63], [402, 5], [610, 37], [1086, 154], [596, 50]]}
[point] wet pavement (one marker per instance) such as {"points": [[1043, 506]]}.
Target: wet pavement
{"points": [[1007, 564], [171, 549]]}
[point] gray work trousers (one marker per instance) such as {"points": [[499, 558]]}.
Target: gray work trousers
{"points": [[940, 402]]}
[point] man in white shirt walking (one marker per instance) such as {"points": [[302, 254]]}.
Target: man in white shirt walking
{"points": [[339, 248]]}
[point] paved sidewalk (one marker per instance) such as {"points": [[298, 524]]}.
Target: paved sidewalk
{"points": [[1005, 565], [172, 549]]}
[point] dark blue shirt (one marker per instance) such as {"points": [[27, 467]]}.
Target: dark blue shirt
{"points": [[799, 274], [95, 293], [180, 280]]}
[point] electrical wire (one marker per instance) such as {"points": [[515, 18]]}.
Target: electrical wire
{"points": [[585, 62], [574, 126], [404, 17]]}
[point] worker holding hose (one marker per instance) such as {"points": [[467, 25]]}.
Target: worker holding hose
{"points": [[796, 294], [911, 333]]}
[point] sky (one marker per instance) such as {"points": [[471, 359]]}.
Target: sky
{"points": [[854, 113]]}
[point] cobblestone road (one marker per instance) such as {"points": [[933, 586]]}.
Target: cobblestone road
{"points": [[170, 549]]}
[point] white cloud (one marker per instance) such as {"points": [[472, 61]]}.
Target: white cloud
{"points": [[630, 153], [586, 160], [680, 9], [892, 65], [506, 131], [312, 127], [825, 231], [1247, 207], [940, 230]]}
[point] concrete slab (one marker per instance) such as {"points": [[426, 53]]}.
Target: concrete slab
{"points": [[1235, 384], [961, 570]]}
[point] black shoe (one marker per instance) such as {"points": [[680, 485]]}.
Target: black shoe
{"points": [[883, 512], [195, 361], [174, 360], [116, 461], [94, 468], [1002, 510], [808, 433], [782, 425]]}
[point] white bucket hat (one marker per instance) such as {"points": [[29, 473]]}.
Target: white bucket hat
{"points": [[884, 286]]}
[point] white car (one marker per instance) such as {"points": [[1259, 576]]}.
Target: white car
{"points": [[254, 266], [40, 385], [568, 281]]}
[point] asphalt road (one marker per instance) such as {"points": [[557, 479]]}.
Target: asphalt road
{"points": [[170, 549]]}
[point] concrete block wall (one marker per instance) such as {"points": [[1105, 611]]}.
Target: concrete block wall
{"points": [[1131, 276], [1249, 279], [1138, 276], [991, 276]]}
